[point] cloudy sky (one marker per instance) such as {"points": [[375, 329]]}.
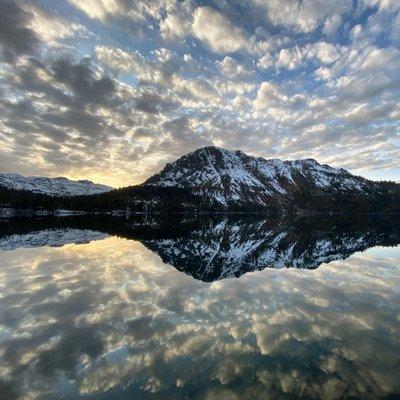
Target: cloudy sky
{"points": [[111, 90]]}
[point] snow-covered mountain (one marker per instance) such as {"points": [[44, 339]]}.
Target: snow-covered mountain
{"points": [[51, 186], [214, 179], [231, 178]]}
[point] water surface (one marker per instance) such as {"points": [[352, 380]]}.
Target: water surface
{"points": [[216, 308]]}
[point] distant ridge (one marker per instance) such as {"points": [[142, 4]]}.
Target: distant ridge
{"points": [[52, 186]]}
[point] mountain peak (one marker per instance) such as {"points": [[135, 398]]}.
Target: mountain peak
{"points": [[232, 178]]}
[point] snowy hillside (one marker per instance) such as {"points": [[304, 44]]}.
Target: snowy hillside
{"points": [[214, 179], [232, 177], [52, 186]]}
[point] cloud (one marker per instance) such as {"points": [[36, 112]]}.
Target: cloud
{"points": [[100, 91], [85, 85], [266, 61], [219, 34], [152, 103], [15, 36], [332, 24], [304, 16], [121, 60], [232, 69], [295, 57], [364, 77], [269, 95], [138, 323], [290, 58], [50, 28], [97, 9], [177, 23]]}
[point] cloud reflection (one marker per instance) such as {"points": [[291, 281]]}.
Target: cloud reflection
{"points": [[108, 316]]}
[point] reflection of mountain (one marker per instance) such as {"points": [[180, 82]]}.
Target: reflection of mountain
{"points": [[217, 247], [111, 322], [50, 237], [232, 248]]}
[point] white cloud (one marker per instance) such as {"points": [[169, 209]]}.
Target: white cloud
{"points": [[123, 61], [266, 61], [177, 23], [269, 95], [332, 24], [290, 58], [304, 16], [323, 73], [241, 102], [97, 9], [219, 34], [232, 69], [295, 57], [174, 26], [327, 53], [50, 28]]}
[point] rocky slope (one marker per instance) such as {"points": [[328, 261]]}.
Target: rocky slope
{"points": [[233, 179], [51, 186]]}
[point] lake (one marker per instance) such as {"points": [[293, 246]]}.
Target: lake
{"points": [[206, 307]]}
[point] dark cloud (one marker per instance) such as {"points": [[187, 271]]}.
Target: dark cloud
{"points": [[52, 132], [21, 108], [60, 125], [152, 103], [29, 78], [15, 37], [81, 79], [82, 121], [180, 124]]}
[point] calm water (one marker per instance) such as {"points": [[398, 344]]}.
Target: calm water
{"points": [[216, 308]]}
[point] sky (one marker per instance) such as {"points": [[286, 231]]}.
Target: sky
{"points": [[111, 90]]}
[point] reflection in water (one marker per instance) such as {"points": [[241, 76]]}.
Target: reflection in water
{"points": [[217, 247], [108, 319]]}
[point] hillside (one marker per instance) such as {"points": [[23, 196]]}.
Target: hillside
{"points": [[233, 180], [59, 187]]}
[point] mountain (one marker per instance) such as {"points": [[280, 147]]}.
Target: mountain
{"points": [[217, 247], [211, 179], [57, 187], [234, 180]]}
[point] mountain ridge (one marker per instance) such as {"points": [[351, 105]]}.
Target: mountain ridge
{"points": [[59, 186], [212, 179], [232, 178]]}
